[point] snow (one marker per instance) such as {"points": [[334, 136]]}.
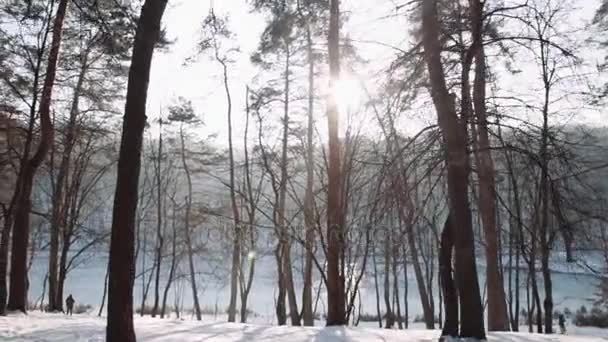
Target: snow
{"points": [[41, 327]]}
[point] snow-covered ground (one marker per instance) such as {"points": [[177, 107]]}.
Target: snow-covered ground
{"points": [[39, 327]]}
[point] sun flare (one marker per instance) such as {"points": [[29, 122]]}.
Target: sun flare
{"points": [[347, 93]]}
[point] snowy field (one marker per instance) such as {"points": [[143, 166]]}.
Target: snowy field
{"points": [[39, 327]]}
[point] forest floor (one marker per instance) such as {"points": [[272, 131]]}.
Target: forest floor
{"points": [[38, 327]]}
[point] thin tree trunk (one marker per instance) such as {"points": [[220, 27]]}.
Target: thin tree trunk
{"points": [[237, 238], [145, 284], [160, 240], [173, 263], [245, 292], [197, 307], [285, 240], [390, 318], [105, 293], [376, 286], [406, 317], [396, 287], [55, 302], [122, 262], [309, 221], [429, 320], [63, 260], [246, 289]]}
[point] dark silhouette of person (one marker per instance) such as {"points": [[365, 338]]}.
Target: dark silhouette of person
{"points": [[562, 323], [69, 303]]}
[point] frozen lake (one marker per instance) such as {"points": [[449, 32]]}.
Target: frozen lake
{"points": [[571, 289]]}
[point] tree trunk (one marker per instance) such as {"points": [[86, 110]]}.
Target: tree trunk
{"points": [[8, 213], [237, 238], [336, 314], [246, 290], [160, 240], [21, 230], [455, 139], [448, 287], [57, 219], [497, 309], [145, 284], [122, 262], [428, 314], [173, 264], [376, 286], [285, 240], [105, 293], [309, 220], [4, 252], [406, 317], [197, 307], [548, 302], [63, 271], [390, 317], [399, 318], [280, 309]]}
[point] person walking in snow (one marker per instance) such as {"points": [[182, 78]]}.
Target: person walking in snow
{"points": [[69, 303], [562, 323]]}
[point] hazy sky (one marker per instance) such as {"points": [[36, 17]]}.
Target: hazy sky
{"points": [[370, 21]]}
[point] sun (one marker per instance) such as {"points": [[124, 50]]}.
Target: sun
{"points": [[347, 93]]}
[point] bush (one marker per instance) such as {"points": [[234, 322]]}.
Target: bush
{"points": [[596, 317]]}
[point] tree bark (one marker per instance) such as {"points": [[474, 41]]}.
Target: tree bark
{"points": [[122, 262]]}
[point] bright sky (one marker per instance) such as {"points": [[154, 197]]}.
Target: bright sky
{"points": [[370, 21], [200, 82]]}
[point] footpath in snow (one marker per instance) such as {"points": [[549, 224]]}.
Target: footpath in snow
{"points": [[39, 327]]}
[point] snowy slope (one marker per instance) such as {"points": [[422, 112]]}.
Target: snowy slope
{"points": [[57, 327]]}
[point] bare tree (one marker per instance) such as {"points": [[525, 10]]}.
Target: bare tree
{"points": [[454, 135], [20, 240]]}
